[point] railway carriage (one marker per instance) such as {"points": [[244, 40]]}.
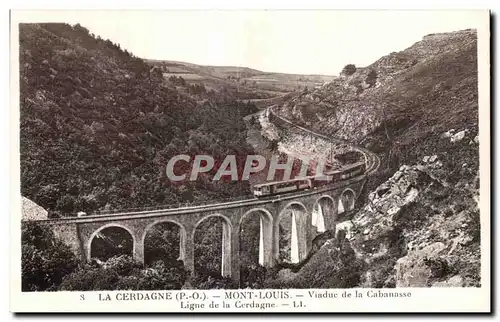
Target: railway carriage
{"points": [[348, 171], [321, 180], [312, 182], [279, 187], [328, 177]]}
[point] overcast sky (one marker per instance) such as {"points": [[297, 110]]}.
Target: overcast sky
{"points": [[307, 42]]}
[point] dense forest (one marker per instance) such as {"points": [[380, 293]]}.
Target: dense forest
{"points": [[97, 128], [99, 125]]}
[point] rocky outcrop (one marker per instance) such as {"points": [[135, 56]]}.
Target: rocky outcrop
{"points": [[300, 146], [418, 230], [334, 265], [412, 270]]}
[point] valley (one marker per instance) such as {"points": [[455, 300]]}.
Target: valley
{"points": [[98, 126]]}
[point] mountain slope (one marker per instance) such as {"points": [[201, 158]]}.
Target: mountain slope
{"points": [[418, 109], [98, 126], [417, 94]]}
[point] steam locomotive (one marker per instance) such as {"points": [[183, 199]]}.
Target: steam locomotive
{"points": [[310, 182]]}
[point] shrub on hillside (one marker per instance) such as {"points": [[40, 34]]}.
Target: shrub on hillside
{"points": [[162, 277], [342, 270], [123, 273], [371, 78], [162, 242], [252, 276], [213, 281], [111, 242], [123, 264], [349, 157], [349, 69], [75, 88], [208, 249], [334, 266], [90, 278]]}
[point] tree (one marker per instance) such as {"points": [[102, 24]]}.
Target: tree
{"points": [[45, 260], [90, 278], [209, 282], [162, 277], [162, 243], [371, 78], [349, 69], [68, 164], [47, 196], [110, 242], [252, 276], [208, 250]]}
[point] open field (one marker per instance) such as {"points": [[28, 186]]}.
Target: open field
{"points": [[217, 77]]}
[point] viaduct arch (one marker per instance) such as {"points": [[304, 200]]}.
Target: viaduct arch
{"points": [[265, 234], [227, 231], [182, 234], [101, 229]]}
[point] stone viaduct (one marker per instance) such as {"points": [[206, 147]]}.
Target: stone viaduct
{"points": [[335, 199]]}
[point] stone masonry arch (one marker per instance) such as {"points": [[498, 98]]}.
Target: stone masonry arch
{"points": [[299, 232], [347, 200], [325, 205], [110, 225], [265, 235], [182, 235], [227, 230]]}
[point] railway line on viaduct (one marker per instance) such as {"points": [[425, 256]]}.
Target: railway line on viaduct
{"points": [[334, 200]]}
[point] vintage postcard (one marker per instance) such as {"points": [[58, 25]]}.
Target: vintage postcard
{"points": [[250, 161]]}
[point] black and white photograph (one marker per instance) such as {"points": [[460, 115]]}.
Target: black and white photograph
{"points": [[319, 151]]}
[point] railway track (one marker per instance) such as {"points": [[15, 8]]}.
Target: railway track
{"points": [[372, 160], [162, 212]]}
